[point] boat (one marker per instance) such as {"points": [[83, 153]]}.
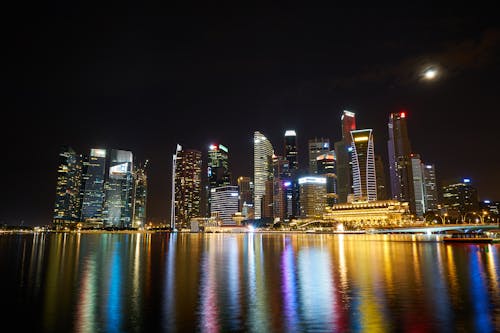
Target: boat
{"points": [[473, 237]]}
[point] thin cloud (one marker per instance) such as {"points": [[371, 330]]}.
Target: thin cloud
{"points": [[452, 60]]}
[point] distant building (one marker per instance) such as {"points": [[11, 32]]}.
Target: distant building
{"points": [[119, 189], [187, 182], [317, 147], [343, 151], [245, 188], [381, 180], [430, 188], [400, 167], [418, 185], [313, 196], [326, 165], [263, 170], [363, 165], [69, 176], [280, 179], [224, 203], [93, 195], [460, 197], [289, 173], [140, 196], [217, 169]]}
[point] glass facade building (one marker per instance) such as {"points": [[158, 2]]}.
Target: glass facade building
{"points": [[313, 196], [327, 167], [140, 196], [94, 172], [119, 190], [224, 203]]}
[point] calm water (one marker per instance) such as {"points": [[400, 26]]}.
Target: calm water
{"points": [[247, 282]]}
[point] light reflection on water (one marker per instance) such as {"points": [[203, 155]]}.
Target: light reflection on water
{"points": [[248, 282]]}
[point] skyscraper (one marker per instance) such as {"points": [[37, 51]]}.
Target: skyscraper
{"points": [[140, 196], [280, 202], [291, 150], [381, 180], [317, 147], [400, 168], [245, 189], [290, 173], [326, 165], [418, 185], [217, 169], [93, 195], [430, 187], [69, 176], [343, 150], [263, 169], [363, 165], [187, 179], [313, 196], [348, 120], [119, 189]]}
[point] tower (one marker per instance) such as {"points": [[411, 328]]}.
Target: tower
{"points": [[217, 170], [326, 165], [400, 169], [343, 150], [93, 195], [69, 176], [187, 180], [119, 189], [317, 147], [363, 165], [263, 169]]}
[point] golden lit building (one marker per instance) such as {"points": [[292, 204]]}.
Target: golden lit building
{"points": [[361, 214]]}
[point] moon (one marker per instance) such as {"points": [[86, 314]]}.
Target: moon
{"points": [[430, 73]]}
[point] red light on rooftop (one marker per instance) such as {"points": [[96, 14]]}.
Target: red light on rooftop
{"points": [[403, 114]]}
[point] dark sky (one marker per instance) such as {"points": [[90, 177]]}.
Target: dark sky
{"points": [[146, 78]]}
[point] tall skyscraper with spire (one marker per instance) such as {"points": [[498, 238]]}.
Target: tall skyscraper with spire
{"points": [[400, 166], [363, 165], [263, 169], [343, 150]]}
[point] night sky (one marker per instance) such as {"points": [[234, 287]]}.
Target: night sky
{"points": [[146, 78]]}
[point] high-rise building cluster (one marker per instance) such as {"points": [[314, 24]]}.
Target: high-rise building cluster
{"points": [[102, 189], [349, 171]]}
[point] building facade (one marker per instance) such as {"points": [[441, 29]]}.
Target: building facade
{"points": [[139, 216], [460, 198], [224, 203], [430, 188], [326, 165], [317, 147]]}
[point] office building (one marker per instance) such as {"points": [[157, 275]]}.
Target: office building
{"points": [[217, 169], [224, 203], [430, 187], [381, 180], [400, 167], [263, 171], [93, 195], [69, 176], [119, 189], [343, 150], [187, 180], [140, 196], [363, 165], [326, 165], [313, 196], [317, 147], [459, 198], [418, 185]]}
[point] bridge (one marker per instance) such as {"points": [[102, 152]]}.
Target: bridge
{"points": [[433, 229]]}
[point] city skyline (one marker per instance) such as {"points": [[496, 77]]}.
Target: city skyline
{"points": [[149, 81]]}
